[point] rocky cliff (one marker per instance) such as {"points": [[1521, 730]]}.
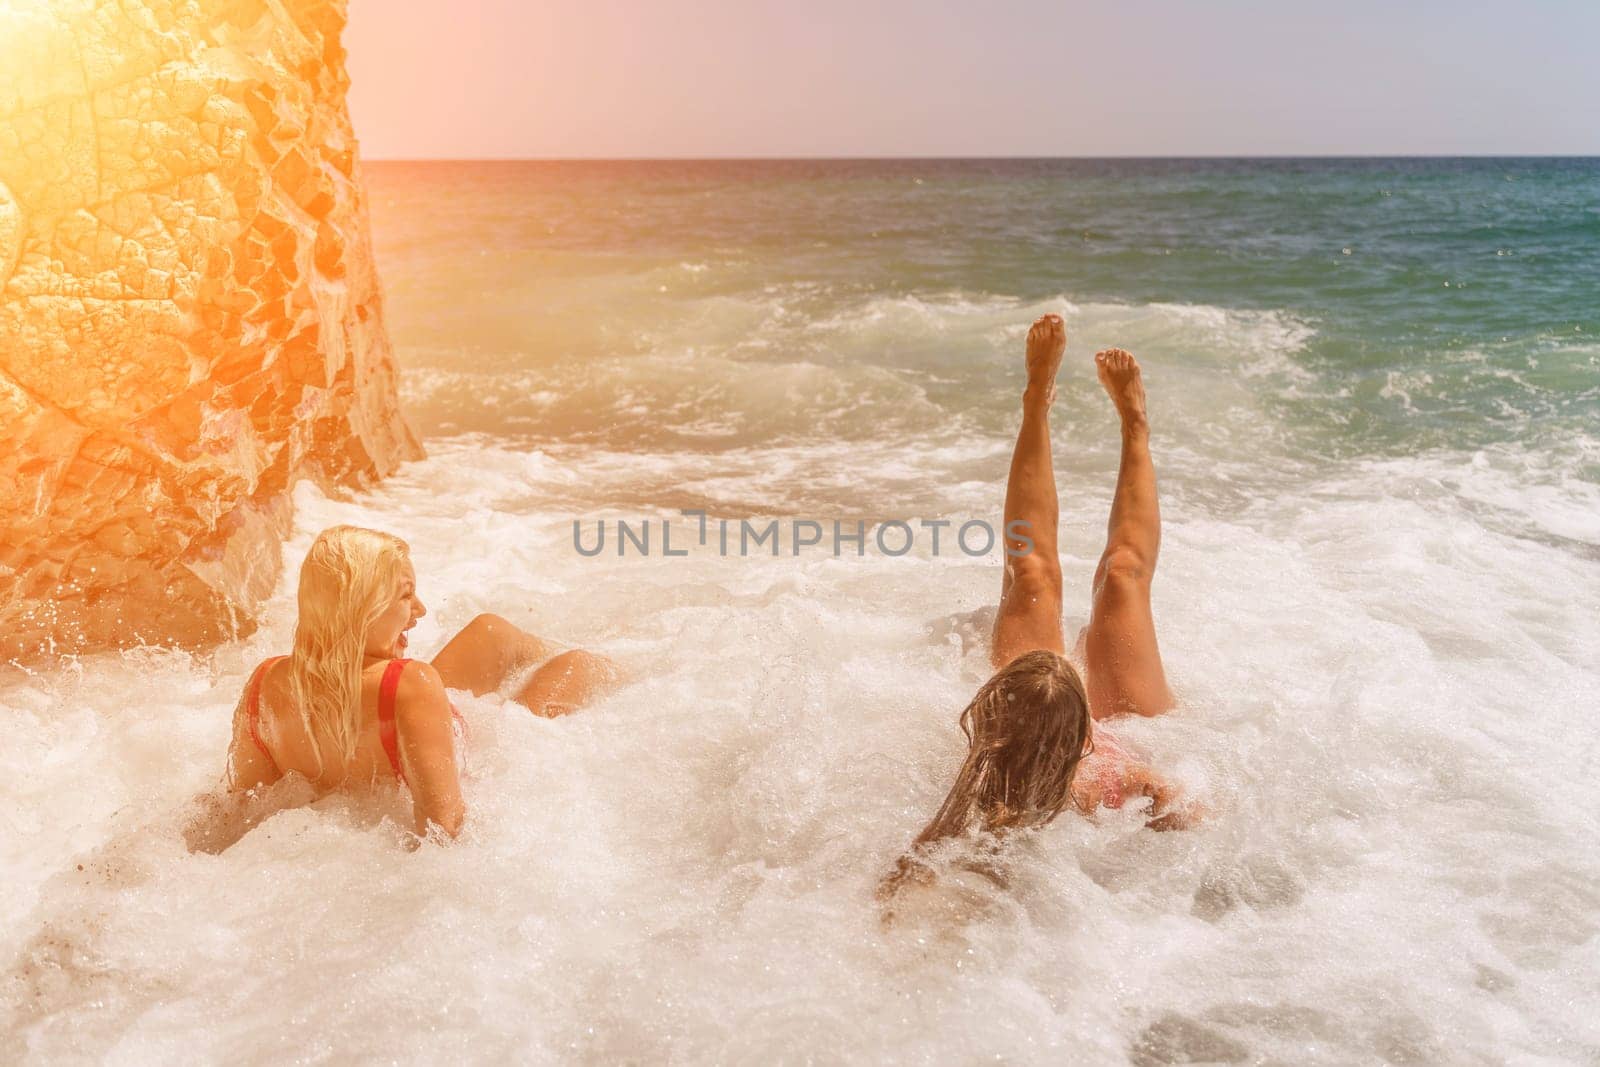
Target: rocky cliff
{"points": [[189, 315]]}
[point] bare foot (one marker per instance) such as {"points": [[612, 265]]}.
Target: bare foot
{"points": [[1047, 340], [1119, 373]]}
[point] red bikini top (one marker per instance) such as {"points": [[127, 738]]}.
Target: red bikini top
{"points": [[387, 688]]}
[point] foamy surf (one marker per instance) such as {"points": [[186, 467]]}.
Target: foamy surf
{"points": [[1379, 696], [727, 373], [1375, 598]]}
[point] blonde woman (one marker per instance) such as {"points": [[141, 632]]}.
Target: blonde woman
{"points": [[1034, 721], [346, 710]]}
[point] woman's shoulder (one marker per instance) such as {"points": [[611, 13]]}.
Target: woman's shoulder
{"points": [[271, 667], [418, 690], [270, 663]]}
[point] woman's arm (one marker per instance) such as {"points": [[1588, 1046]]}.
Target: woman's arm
{"points": [[427, 750], [248, 766], [1167, 809]]}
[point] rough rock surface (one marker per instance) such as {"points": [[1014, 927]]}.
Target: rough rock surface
{"points": [[189, 315]]}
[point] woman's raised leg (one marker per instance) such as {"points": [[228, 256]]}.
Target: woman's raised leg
{"points": [[489, 649], [1120, 651], [484, 654], [1030, 589], [568, 682]]}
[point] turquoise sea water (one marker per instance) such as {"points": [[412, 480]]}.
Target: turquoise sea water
{"points": [[1375, 402], [1444, 302]]}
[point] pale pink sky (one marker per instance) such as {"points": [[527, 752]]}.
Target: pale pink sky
{"points": [[645, 78]]}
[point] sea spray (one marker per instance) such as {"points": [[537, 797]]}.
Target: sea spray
{"points": [[1374, 597]]}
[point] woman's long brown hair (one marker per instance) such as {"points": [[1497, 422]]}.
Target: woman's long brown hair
{"points": [[1027, 729]]}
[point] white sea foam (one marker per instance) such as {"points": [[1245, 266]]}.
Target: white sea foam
{"points": [[1388, 684], [719, 372]]}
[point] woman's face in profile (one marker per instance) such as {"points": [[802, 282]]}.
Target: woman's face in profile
{"points": [[387, 637]]}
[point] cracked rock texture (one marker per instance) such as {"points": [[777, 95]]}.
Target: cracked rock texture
{"points": [[189, 315]]}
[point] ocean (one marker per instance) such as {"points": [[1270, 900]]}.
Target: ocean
{"points": [[1375, 404]]}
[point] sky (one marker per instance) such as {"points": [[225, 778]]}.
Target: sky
{"points": [[539, 79]]}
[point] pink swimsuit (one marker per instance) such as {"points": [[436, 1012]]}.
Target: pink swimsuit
{"points": [[1107, 761], [387, 687]]}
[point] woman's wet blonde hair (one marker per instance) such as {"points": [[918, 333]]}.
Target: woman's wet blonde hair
{"points": [[1027, 729], [350, 577]]}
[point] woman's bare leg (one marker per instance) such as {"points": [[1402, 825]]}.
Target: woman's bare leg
{"points": [[568, 682], [1124, 662], [1030, 589], [485, 653]]}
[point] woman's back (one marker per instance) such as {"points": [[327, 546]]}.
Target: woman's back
{"points": [[347, 711], [279, 735], [404, 728]]}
